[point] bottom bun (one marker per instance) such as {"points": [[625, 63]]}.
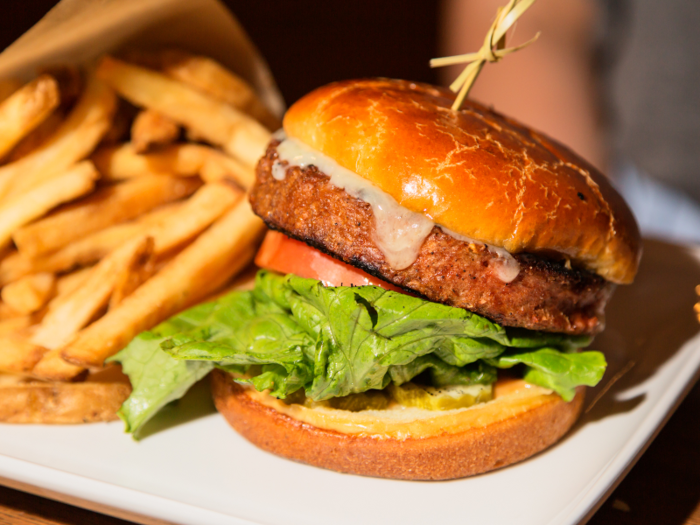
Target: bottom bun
{"points": [[403, 443]]}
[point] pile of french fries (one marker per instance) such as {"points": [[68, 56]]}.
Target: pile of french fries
{"points": [[122, 202]]}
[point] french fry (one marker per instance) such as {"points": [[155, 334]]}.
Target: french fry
{"points": [[71, 281], [209, 203], [223, 278], [8, 86], [70, 82], [184, 160], [211, 78], [77, 181], [170, 226], [123, 162], [92, 248], [15, 325], [132, 276], [13, 267], [217, 254], [151, 131], [6, 312], [24, 400], [36, 137], [72, 141], [19, 356], [75, 311], [52, 367], [121, 124], [243, 281], [219, 123], [25, 109], [219, 167], [84, 251], [68, 313], [31, 293], [106, 207]]}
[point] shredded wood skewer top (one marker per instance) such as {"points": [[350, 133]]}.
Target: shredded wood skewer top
{"points": [[493, 49]]}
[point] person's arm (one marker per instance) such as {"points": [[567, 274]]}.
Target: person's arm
{"points": [[550, 85]]}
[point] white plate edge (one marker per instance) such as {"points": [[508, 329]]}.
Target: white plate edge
{"points": [[111, 495]]}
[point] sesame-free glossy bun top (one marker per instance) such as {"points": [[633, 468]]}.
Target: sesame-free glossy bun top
{"points": [[473, 171]]}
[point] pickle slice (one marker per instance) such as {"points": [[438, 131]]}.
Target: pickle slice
{"points": [[295, 398], [440, 398], [369, 400]]}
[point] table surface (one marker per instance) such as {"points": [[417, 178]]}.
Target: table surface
{"points": [[663, 487]]}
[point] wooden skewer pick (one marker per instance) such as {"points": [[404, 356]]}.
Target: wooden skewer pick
{"points": [[493, 49]]}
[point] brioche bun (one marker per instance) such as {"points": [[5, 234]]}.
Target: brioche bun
{"points": [[409, 444], [473, 171]]}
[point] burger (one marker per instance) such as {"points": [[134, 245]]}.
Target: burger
{"points": [[427, 283]]}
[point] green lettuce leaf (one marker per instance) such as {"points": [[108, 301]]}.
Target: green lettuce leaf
{"points": [[442, 374], [336, 341], [562, 372], [156, 378]]}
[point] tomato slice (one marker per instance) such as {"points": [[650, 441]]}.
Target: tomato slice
{"points": [[285, 255]]}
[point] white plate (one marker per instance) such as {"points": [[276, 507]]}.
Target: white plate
{"points": [[201, 471]]}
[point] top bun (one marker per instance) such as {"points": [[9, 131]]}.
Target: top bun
{"points": [[473, 171]]}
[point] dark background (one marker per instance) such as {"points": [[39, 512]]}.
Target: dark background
{"points": [[308, 43], [18, 16]]}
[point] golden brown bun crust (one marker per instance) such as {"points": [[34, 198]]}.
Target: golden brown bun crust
{"points": [[444, 456], [474, 171]]}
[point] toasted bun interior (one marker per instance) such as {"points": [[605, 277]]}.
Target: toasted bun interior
{"points": [[474, 171], [402, 443]]}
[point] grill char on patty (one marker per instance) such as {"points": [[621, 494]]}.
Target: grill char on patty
{"points": [[545, 295]]}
